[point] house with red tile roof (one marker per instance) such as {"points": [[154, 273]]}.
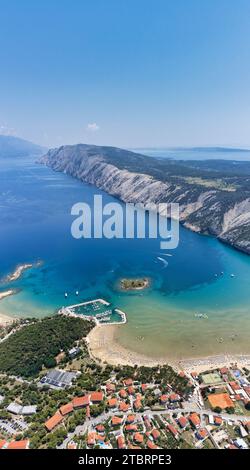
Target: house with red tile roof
{"points": [[110, 387], [173, 430], [116, 420], [218, 420], [131, 427], [100, 428], [238, 397], [131, 390], [138, 437], [96, 397], [123, 406], [128, 382], [80, 402], [18, 445], [234, 386], [66, 409], [151, 445], [194, 374], [3, 443], [147, 423], [121, 442], [112, 402], [163, 399], [123, 393], [173, 397], [201, 434], [54, 421], [183, 422], [137, 404], [91, 438], [130, 419], [144, 387], [195, 420], [155, 434]]}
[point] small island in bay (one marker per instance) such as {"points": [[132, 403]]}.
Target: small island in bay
{"points": [[134, 284], [7, 293], [19, 270]]}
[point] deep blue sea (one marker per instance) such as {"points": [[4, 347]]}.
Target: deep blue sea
{"points": [[35, 215]]}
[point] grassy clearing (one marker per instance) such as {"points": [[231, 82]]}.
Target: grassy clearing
{"points": [[210, 183]]}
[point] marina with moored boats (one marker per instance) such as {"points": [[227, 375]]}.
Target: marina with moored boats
{"points": [[99, 310]]}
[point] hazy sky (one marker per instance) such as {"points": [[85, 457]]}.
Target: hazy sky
{"points": [[126, 72]]}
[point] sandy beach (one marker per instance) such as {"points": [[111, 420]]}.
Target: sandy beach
{"points": [[7, 293], [103, 347], [17, 273], [4, 319]]}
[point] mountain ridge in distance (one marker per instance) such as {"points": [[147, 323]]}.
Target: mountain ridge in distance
{"points": [[11, 146]]}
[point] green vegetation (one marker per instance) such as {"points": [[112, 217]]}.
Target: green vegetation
{"points": [[30, 348], [211, 183], [134, 284], [210, 188], [162, 375]]}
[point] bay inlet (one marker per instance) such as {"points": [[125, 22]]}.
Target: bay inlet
{"points": [[193, 307]]}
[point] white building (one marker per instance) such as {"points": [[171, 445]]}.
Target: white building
{"points": [[240, 443], [243, 432], [14, 408], [17, 409], [29, 410]]}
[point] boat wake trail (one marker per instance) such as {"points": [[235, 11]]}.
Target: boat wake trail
{"points": [[165, 263]]}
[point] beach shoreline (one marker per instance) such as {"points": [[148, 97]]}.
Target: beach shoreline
{"points": [[5, 319], [8, 293], [104, 348]]}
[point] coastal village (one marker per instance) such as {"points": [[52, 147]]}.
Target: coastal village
{"points": [[55, 393], [82, 404], [125, 233]]}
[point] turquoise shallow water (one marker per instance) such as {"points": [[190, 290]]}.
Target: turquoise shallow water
{"points": [[35, 206]]}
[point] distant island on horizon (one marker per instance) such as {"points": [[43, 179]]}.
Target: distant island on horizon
{"points": [[11, 146], [208, 148]]}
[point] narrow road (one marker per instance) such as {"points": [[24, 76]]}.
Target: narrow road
{"points": [[90, 424]]}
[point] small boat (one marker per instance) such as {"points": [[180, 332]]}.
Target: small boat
{"points": [[65, 295], [77, 293], [232, 275], [201, 315], [105, 320]]}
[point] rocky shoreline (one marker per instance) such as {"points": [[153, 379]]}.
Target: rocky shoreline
{"points": [[19, 270], [204, 209]]}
